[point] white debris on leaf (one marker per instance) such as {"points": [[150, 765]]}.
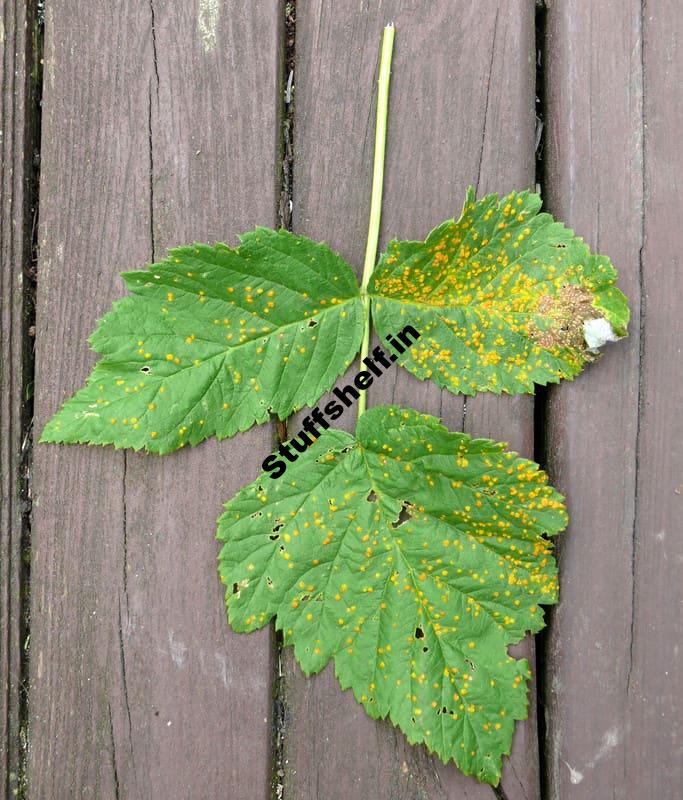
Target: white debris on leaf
{"points": [[597, 332]]}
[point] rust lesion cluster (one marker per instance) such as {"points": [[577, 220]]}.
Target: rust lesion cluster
{"points": [[566, 312]]}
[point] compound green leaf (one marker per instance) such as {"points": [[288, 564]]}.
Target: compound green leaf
{"points": [[215, 339], [413, 557], [504, 298]]}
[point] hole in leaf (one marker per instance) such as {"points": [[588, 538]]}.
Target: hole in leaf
{"points": [[419, 633], [305, 597], [372, 496], [146, 370], [274, 537], [425, 649], [235, 588], [312, 323], [404, 514]]}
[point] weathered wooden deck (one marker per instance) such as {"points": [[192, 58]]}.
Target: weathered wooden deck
{"points": [[163, 122]]}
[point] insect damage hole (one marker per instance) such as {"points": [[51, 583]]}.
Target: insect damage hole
{"points": [[404, 514]]}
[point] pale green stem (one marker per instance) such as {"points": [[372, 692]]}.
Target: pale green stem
{"points": [[377, 183]]}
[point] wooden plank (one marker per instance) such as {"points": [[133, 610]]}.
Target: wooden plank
{"points": [[160, 126], [462, 112], [613, 693], [18, 135], [655, 763]]}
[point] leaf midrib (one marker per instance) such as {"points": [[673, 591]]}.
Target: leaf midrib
{"points": [[404, 557], [411, 573], [107, 360]]}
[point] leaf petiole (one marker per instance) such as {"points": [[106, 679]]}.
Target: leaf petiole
{"points": [[377, 183]]}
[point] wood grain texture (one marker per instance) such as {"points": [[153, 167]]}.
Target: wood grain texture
{"points": [[613, 156], [461, 112], [17, 139], [655, 765], [160, 127]]}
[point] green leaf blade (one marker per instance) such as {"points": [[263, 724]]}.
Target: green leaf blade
{"points": [[500, 298], [213, 340], [412, 557]]}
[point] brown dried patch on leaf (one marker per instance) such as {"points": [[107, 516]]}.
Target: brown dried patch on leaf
{"points": [[567, 311]]}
